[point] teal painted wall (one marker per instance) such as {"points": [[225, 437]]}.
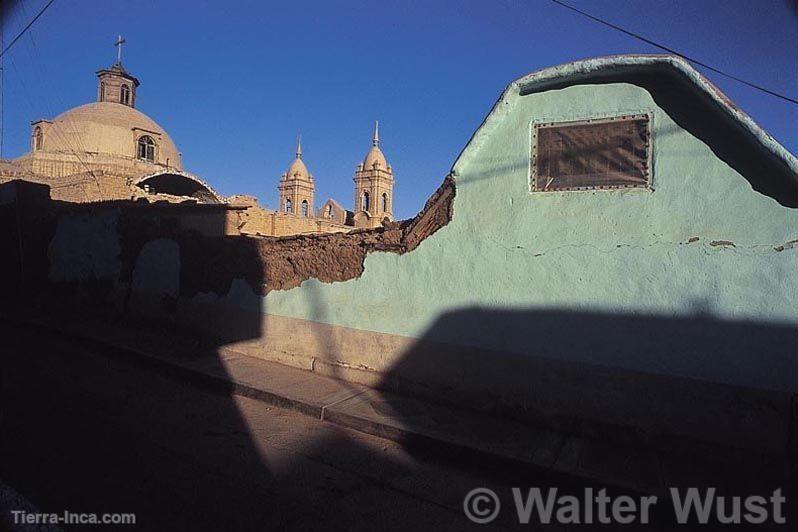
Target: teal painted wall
{"points": [[611, 252]]}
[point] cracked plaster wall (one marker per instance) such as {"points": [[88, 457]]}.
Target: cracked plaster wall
{"points": [[701, 243]]}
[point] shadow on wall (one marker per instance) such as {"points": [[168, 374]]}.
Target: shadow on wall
{"points": [[88, 429], [24, 263], [695, 112], [122, 437], [697, 385]]}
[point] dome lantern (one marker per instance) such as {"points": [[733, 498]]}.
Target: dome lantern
{"points": [[116, 84]]}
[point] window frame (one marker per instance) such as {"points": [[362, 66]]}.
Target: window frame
{"points": [[649, 146], [38, 138], [147, 146], [124, 94]]}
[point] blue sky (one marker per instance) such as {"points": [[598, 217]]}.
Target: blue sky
{"points": [[235, 82]]}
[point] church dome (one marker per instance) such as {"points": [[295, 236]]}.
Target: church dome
{"points": [[298, 167], [375, 155], [109, 128], [298, 170]]}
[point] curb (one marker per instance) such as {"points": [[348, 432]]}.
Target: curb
{"points": [[569, 459], [447, 448], [169, 368]]}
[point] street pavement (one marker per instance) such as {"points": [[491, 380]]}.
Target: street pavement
{"points": [[85, 432], [92, 432]]}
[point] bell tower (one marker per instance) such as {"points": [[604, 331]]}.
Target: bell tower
{"points": [[115, 83], [297, 188], [373, 187]]}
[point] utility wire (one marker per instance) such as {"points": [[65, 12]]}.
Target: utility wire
{"points": [[15, 39], [674, 52], [70, 136]]}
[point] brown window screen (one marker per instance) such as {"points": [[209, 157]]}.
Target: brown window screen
{"points": [[607, 153]]}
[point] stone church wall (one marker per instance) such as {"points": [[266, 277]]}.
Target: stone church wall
{"points": [[58, 165], [258, 221]]}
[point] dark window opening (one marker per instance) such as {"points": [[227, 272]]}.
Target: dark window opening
{"points": [[37, 138], [146, 148], [365, 204], [592, 154], [305, 208], [125, 94]]}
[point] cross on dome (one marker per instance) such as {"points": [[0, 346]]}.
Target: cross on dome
{"points": [[119, 42]]}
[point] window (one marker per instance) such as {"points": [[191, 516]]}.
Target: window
{"points": [[37, 138], [384, 202], [329, 213], [146, 148], [364, 201], [289, 206], [124, 93], [305, 208], [102, 91], [591, 154]]}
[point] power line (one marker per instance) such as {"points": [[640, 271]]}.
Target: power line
{"points": [[15, 39], [71, 136], [44, 80], [674, 52], [65, 137]]}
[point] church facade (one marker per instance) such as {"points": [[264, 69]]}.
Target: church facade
{"points": [[108, 150]]}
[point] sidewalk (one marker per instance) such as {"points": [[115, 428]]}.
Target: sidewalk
{"points": [[403, 419]]}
